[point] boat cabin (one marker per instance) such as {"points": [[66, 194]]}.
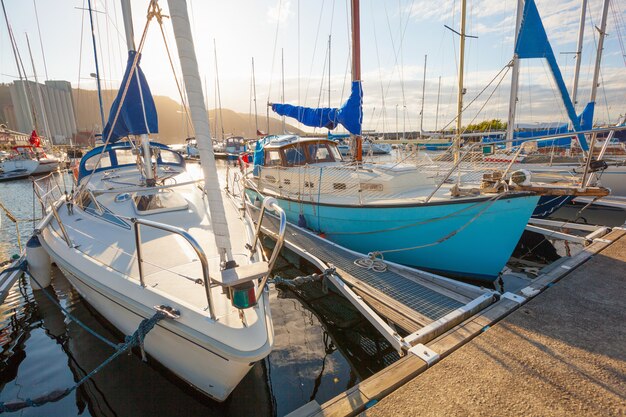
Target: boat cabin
{"points": [[289, 151], [122, 154], [28, 152]]}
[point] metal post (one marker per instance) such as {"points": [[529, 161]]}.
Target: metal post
{"points": [[138, 249]]}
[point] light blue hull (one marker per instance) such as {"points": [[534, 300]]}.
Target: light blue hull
{"points": [[476, 239]]}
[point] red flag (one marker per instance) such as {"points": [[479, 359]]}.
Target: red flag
{"points": [[34, 139]]}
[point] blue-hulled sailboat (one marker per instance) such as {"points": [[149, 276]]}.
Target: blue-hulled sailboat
{"points": [[393, 211]]}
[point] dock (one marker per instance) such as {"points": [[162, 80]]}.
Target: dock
{"points": [[554, 347], [424, 305]]}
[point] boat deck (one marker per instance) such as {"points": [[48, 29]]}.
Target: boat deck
{"points": [[409, 298]]}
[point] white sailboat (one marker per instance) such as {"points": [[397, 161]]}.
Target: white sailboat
{"points": [[140, 234]]}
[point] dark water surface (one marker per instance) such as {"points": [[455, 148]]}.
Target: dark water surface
{"points": [[323, 346]]}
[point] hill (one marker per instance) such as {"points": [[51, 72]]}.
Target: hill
{"points": [[172, 125]]}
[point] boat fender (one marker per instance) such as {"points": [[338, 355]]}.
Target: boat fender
{"points": [[38, 264], [301, 220], [520, 177]]}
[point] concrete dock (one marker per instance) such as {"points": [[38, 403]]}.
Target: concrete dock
{"points": [[563, 353]]}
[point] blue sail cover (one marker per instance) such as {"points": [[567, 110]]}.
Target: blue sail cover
{"points": [[350, 115], [136, 116], [532, 42]]}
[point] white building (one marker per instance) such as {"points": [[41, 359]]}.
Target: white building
{"points": [[52, 105]]}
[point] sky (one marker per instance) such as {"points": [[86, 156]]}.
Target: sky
{"points": [[294, 35]]}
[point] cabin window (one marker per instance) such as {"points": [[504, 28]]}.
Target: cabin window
{"points": [[339, 186], [335, 152], [294, 155], [105, 162], [272, 157], [168, 157], [125, 157], [319, 152]]}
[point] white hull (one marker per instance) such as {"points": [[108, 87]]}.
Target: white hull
{"points": [[32, 166], [210, 366]]}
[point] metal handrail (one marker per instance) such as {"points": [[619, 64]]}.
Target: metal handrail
{"points": [[194, 244], [272, 204], [517, 152]]}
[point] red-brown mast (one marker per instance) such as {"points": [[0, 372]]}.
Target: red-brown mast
{"points": [[356, 65]]}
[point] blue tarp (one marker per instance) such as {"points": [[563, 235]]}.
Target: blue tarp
{"points": [[136, 116], [350, 115], [532, 42]]}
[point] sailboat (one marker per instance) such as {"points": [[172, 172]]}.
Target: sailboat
{"points": [[390, 211], [140, 234], [32, 159]]}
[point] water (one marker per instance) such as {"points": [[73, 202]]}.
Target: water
{"points": [[323, 346]]}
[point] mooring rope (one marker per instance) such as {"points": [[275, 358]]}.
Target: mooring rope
{"points": [[135, 339]]}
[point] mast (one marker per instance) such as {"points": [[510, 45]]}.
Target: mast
{"points": [[596, 71], [95, 51], [256, 115], [45, 66], [437, 113], [39, 95], [145, 139], [514, 78], [329, 40], [579, 50], [423, 92], [356, 65], [193, 86], [461, 90], [282, 98], [219, 95], [20, 73]]}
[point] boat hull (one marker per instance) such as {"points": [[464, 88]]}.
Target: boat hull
{"points": [[471, 240], [197, 359]]}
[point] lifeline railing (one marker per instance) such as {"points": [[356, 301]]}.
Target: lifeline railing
{"points": [[206, 278], [272, 204]]}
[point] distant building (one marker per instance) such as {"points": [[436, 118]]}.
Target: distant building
{"points": [[57, 122]]}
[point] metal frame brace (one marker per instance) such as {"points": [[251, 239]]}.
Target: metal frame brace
{"points": [[425, 353], [514, 297]]}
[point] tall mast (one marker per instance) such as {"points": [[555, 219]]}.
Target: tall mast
{"points": [[145, 139], [282, 65], [329, 44], [45, 66], [579, 50], [356, 65], [199, 117], [514, 77], [95, 54], [256, 115], [423, 92], [596, 71], [219, 95], [437, 113], [461, 89], [20, 73], [39, 96]]}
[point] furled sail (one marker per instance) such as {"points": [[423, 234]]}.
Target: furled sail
{"points": [[532, 42], [137, 114], [350, 115]]}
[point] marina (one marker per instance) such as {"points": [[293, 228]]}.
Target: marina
{"points": [[159, 257]]}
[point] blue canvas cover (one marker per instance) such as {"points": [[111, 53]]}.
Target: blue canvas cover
{"points": [[132, 120], [532, 42], [350, 115]]}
